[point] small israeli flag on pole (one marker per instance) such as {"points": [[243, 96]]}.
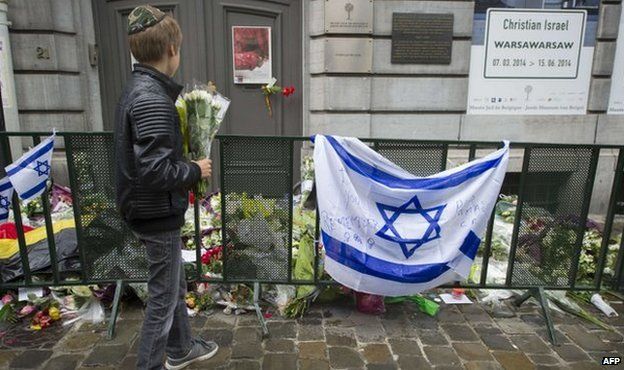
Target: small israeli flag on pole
{"points": [[388, 232], [30, 173], [6, 194]]}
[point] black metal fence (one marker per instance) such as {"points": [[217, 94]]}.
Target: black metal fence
{"points": [[555, 184], [555, 188]]}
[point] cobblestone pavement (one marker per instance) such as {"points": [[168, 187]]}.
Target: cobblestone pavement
{"points": [[338, 337]]}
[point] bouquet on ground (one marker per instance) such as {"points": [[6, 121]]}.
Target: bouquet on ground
{"points": [[201, 112]]}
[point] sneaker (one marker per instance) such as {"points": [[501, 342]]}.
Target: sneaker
{"points": [[201, 350]]}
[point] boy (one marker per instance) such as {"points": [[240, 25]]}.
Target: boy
{"points": [[152, 182]]}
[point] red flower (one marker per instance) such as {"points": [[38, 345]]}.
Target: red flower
{"points": [[205, 258], [211, 255], [191, 198], [288, 91]]}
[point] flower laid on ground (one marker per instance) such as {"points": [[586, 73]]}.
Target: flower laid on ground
{"points": [[45, 318], [201, 112], [27, 310], [199, 301], [54, 313], [272, 89]]}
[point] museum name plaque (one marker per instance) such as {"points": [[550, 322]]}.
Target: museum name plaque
{"points": [[348, 55], [349, 16], [422, 38]]}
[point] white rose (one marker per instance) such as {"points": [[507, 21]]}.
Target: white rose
{"points": [[204, 95]]}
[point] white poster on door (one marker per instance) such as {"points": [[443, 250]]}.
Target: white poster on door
{"points": [[251, 53], [616, 100], [531, 58]]}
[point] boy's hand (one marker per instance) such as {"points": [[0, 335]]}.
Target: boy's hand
{"points": [[206, 167]]}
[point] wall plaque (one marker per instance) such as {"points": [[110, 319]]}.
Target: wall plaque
{"points": [[348, 16], [348, 55], [419, 38]]}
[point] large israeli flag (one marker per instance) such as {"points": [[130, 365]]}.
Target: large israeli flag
{"points": [[30, 173], [6, 194], [390, 233]]}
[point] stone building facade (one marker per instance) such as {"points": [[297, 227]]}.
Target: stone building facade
{"points": [[57, 82]]}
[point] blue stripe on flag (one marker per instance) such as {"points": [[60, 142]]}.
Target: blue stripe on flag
{"points": [[470, 245], [32, 192], [4, 216], [434, 183], [5, 186], [30, 159], [368, 265]]}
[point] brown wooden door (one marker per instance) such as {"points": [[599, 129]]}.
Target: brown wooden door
{"points": [[207, 55]]}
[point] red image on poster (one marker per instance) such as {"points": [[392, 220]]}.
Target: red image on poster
{"points": [[252, 54]]}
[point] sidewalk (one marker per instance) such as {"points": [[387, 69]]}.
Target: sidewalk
{"points": [[338, 337]]}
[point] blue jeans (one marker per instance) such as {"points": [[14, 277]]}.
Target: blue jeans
{"points": [[166, 328]]}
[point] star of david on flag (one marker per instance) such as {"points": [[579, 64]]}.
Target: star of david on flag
{"points": [[30, 173], [388, 232], [412, 207], [6, 194]]}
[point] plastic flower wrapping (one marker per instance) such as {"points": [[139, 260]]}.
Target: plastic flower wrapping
{"points": [[201, 110]]}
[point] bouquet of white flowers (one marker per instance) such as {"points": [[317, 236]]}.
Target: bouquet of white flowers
{"points": [[201, 112]]}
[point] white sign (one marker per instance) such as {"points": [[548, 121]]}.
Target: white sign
{"points": [[530, 61], [523, 44], [252, 55], [348, 16], [616, 101]]}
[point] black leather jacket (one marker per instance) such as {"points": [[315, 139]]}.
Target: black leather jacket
{"points": [[152, 176]]}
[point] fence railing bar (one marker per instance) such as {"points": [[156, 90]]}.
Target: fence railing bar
{"points": [[578, 245], [518, 217], [317, 241], [291, 182], [58, 134], [224, 237], [197, 236], [619, 266], [462, 143], [608, 229], [444, 158], [472, 153], [514, 145], [49, 226], [73, 183], [488, 247]]}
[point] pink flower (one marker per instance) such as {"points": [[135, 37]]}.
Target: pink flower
{"points": [[27, 310], [7, 299]]}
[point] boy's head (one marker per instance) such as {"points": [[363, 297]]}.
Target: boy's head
{"points": [[155, 38]]}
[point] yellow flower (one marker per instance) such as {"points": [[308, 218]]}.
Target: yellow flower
{"points": [[35, 327], [190, 302], [54, 313]]}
